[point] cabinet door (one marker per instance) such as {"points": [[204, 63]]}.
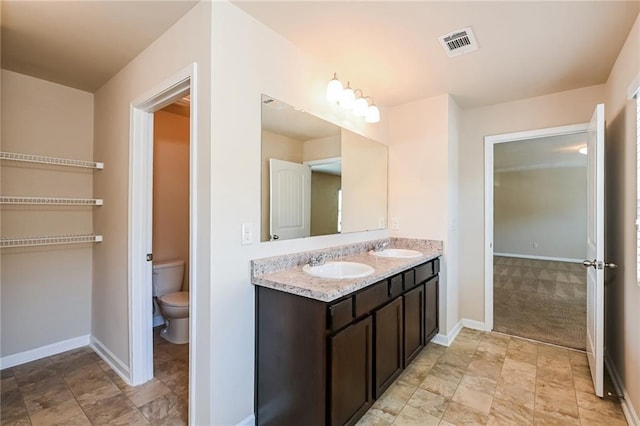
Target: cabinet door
{"points": [[413, 323], [351, 372], [431, 308], [388, 332]]}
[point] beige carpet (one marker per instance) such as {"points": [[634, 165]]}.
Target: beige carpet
{"points": [[540, 300]]}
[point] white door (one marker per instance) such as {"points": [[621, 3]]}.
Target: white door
{"points": [[595, 248], [290, 200]]}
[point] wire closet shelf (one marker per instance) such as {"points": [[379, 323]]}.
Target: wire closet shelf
{"points": [[9, 242], [29, 158], [10, 199]]}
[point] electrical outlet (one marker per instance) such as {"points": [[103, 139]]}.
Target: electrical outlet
{"points": [[382, 223], [395, 223], [535, 245], [247, 234]]}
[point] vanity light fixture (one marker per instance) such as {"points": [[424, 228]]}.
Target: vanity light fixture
{"points": [[347, 98], [373, 114], [361, 105], [334, 89]]}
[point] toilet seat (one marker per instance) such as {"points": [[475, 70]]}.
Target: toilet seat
{"points": [[179, 299]]}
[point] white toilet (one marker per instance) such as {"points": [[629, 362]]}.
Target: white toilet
{"points": [[173, 303]]}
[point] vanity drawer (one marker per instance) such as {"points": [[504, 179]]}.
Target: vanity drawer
{"points": [[409, 279], [426, 271], [340, 314], [371, 297], [395, 286]]}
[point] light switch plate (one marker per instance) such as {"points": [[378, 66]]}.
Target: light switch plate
{"points": [[395, 223], [247, 233]]}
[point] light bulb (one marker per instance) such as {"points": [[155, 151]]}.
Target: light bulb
{"points": [[373, 114], [584, 150], [334, 89], [360, 107], [347, 98]]}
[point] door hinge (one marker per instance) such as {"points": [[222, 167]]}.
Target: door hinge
{"points": [[149, 257]]}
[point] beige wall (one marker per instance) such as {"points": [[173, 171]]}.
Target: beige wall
{"points": [[45, 291], [622, 294], [171, 189], [287, 74], [319, 149], [282, 148], [565, 108], [324, 203], [364, 183], [188, 41], [547, 207], [422, 185]]}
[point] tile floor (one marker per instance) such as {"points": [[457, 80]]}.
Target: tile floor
{"points": [[481, 379], [78, 388], [494, 379], [541, 300]]}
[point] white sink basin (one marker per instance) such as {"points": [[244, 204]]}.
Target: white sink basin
{"points": [[397, 253], [339, 270]]}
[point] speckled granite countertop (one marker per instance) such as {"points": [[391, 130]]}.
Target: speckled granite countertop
{"points": [[285, 273]]}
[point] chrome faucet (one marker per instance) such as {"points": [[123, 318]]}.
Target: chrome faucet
{"points": [[317, 260], [380, 246]]}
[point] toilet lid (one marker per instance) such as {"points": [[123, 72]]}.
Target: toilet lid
{"points": [[180, 298]]}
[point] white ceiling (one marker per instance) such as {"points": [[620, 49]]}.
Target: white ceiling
{"points": [[283, 119], [83, 43], [540, 153], [390, 49]]}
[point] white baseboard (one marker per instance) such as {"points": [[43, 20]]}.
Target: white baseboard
{"points": [[630, 413], [534, 257], [43, 351], [111, 359], [447, 339], [248, 421], [473, 324]]}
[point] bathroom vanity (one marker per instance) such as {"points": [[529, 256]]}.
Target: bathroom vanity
{"points": [[326, 349]]}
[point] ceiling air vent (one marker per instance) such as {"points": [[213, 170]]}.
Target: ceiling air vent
{"points": [[458, 42]]}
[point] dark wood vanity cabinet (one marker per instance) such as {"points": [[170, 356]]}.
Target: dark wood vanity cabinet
{"points": [[389, 332], [324, 363], [414, 324], [350, 361], [431, 308]]}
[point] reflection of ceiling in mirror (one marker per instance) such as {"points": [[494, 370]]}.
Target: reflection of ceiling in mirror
{"points": [[283, 119]]}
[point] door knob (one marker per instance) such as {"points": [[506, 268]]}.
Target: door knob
{"points": [[598, 265]]}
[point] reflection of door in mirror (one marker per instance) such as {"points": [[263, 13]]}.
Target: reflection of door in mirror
{"points": [[297, 138], [290, 189], [341, 162]]}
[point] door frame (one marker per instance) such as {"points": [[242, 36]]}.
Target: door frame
{"points": [[489, 143], [140, 223]]}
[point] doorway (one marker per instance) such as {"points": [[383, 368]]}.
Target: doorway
{"points": [[141, 171], [540, 229], [532, 137]]}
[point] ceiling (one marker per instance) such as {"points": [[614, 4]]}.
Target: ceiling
{"points": [[81, 44], [390, 49], [540, 153], [283, 119]]}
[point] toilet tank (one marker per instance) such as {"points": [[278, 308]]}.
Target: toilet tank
{"points": [[167, 277]]}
